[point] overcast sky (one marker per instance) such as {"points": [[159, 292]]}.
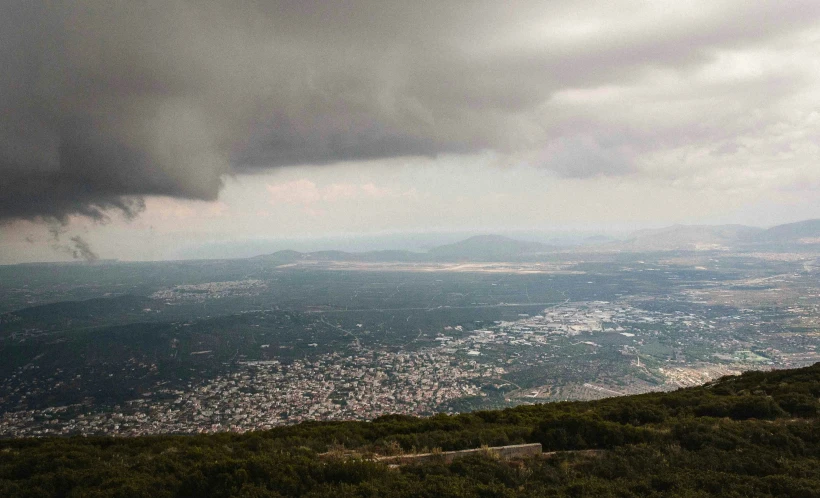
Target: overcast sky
{"points": [[135, 130]]}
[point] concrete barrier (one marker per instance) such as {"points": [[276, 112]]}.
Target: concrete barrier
{"points": [[503, 452]]}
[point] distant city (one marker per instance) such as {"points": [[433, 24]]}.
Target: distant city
{"points": [[490, 322]]}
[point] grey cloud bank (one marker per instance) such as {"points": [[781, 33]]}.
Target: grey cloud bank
{"points": [[106, 101]]}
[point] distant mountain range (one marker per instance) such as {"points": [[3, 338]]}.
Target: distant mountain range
{"points": [[802, 232], [688, 237], [804, 235], [489, 248]]}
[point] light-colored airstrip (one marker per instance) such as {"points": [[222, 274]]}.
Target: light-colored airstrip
{"points": [[518, 268]]}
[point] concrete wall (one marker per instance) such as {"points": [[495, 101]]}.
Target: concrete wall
{"points": [[503, 452]]}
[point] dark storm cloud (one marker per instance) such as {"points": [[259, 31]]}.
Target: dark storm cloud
{"points": [[107, 101]]}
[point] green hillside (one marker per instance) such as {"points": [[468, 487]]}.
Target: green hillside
{"points": [[753, 435]]}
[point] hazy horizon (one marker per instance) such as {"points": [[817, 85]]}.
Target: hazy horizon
{"points": [[418, 241]]}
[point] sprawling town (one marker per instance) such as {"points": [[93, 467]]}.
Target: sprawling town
{"points": [[264, 394], [600, 348]]}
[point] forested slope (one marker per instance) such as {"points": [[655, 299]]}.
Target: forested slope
{"points": [[753, 435]]}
